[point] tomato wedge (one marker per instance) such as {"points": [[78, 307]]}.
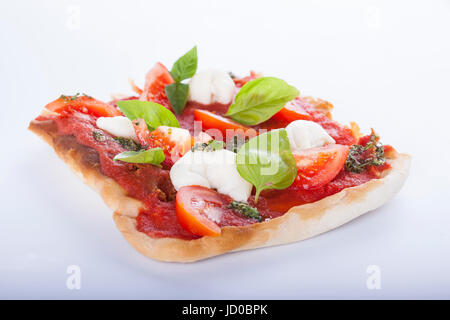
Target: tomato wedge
{"points": [[155, 82], [318, 166], [240, 82], [160, 138], [196, 206], [142, 132], [293, 110], [214, 121], [84, 104]]}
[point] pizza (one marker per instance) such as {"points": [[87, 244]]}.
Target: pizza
{"points": [[199, 163]]}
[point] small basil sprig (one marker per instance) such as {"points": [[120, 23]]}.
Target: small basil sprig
{"points": [[184, 68], [178, 95], [266, 161], [154, 114], [259, 99], [152, 156]]}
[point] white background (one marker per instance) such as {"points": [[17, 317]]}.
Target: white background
{"points": [[382, 63]]}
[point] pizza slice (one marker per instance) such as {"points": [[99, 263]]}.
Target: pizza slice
{"points": [[221, 163]]}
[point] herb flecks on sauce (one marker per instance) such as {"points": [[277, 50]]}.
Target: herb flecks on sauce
{"points": [[360, 157], [212, 145], [245, 209], [70, 98], [99, 136], [74, 97], [126, 143]]}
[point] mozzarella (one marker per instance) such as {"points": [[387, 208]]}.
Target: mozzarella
{"points": [[211, 169], [179, 136], [202, 137], [211, 86], [117, 126], [303, 134]]}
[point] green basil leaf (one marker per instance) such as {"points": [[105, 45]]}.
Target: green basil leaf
{"points": [[186, 66], [266, 161], [152, 156], [154, 114], [178, 95], [259, 99]]}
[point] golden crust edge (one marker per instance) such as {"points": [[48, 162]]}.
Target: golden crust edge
{"points": [[299, 223]]}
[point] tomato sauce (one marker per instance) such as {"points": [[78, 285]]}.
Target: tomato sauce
{"points": [[340, 133], [153, 187]]}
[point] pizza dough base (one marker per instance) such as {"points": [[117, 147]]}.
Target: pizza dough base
{"points": [[299, 223]]}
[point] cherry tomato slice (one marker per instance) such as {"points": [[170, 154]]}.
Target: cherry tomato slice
{"points": [[83, 104], [142, 132], [155, 82], [196, 208], [214, 121], [293, 110], [240, 82], [318, 166], [173, 149]]}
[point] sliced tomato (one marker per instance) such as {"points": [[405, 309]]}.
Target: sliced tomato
{"points": [[174, 144], [134, 87], [318, 166], [196, 208], [173, 149], [155, 82], [84, 104], [293, 110], [240, 82], [214, 121], [142, 132], [318, 104]]}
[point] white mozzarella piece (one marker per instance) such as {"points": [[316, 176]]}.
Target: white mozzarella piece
{"points": [[181, 137], [211, 86], [117, 126], [303, 134], [176, 134], [185, 173], [211, 169], [202, 137]]}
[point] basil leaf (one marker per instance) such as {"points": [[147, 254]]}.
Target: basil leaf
{"points": [[154, 114], [178, 95], [186, 66], [266, 161], [259, 99], [153, 156]]}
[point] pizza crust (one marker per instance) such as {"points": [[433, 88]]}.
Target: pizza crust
{"points": [[299, 223]]}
